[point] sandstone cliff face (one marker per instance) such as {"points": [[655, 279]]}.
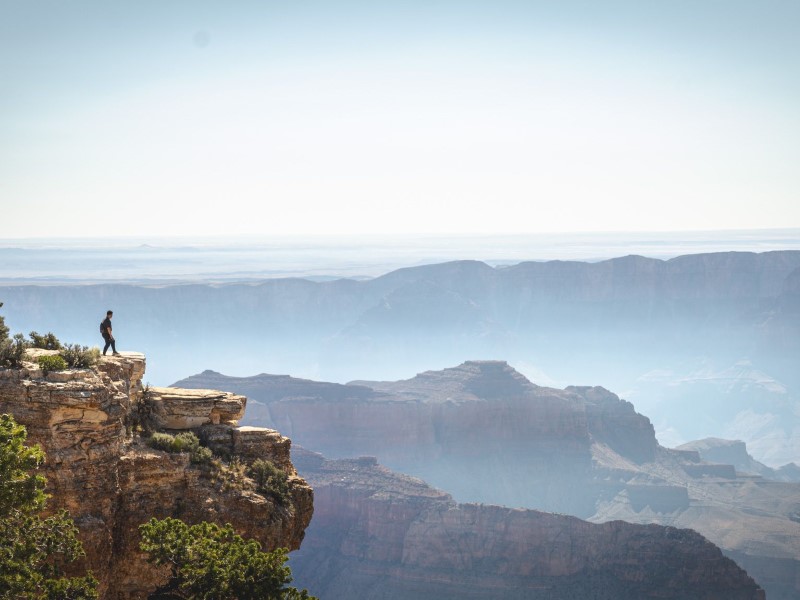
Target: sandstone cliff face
{"points": [[111, 482], [378, 534]]}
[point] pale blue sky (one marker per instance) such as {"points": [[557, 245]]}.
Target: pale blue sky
{"points": [[195, 118]]}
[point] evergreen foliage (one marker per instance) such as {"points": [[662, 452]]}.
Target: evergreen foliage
{"points": [[47, 341], [139, 418], [270, 480], [231, 475], [12, 351], [33, 550], [209, 562], [185, 441], [51, 363], [79, 357], [3, 328]]}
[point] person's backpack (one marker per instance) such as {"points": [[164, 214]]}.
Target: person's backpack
{"points": [[102, 328]]}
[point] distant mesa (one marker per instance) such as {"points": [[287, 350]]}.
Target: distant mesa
{"points": [[734, 453], [485, 433]]}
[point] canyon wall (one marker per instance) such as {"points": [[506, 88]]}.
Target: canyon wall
{"points": [[458, 428], [673, 335], [486, 434], [111, 482], [379, 534]]}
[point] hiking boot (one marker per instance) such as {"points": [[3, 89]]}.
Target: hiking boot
{"points": [[116, 354]]}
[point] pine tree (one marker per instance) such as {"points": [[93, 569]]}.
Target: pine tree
{"points": [[209, 562], [33, 550]]}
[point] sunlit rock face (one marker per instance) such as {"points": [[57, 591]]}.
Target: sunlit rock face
{"points": [[379, 534], [176, 408], [111, 482]]}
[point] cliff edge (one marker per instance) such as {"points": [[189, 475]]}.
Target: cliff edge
{"points": [[104, 473]]}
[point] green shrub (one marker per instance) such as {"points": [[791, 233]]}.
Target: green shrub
{"points": [[52, 362], [185, 442], [47, 341], [270, 480], [3, 328], [231, 475], [161, 441], [139, 417], [12, 351], [79, 357], [202, 456]]}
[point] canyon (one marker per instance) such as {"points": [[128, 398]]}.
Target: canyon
{"points": [[703, 344], [486, 434], [379, 534], [375, 533]]}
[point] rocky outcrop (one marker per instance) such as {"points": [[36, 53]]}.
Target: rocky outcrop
{"points": [[111, 482], [176, 408], [378, 534]]}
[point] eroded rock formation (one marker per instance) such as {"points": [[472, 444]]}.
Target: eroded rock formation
{"points": [[111, 482], [735, 454], [458, 428], [484, 433], [378, 534]]}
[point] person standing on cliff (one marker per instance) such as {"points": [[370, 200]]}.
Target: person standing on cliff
{"points": [[108, 335]]}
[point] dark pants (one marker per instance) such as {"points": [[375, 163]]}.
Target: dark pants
{"points": [[109, 342]]}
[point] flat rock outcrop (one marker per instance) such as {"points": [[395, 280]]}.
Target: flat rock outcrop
{"points": [[111, 482], [378, 534], [177, 408], [735, 454]]}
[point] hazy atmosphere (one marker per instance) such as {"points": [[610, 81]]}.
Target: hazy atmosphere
{"points": [[197, 118], [450, 299]]}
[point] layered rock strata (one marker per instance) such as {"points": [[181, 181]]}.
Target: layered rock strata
{"points": [[457, 428], [111, 482], [484, 433], [735, 454], [378, 534]]}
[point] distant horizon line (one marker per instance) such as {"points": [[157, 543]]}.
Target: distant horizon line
{"points": [[170, 260], [252, 237]]}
